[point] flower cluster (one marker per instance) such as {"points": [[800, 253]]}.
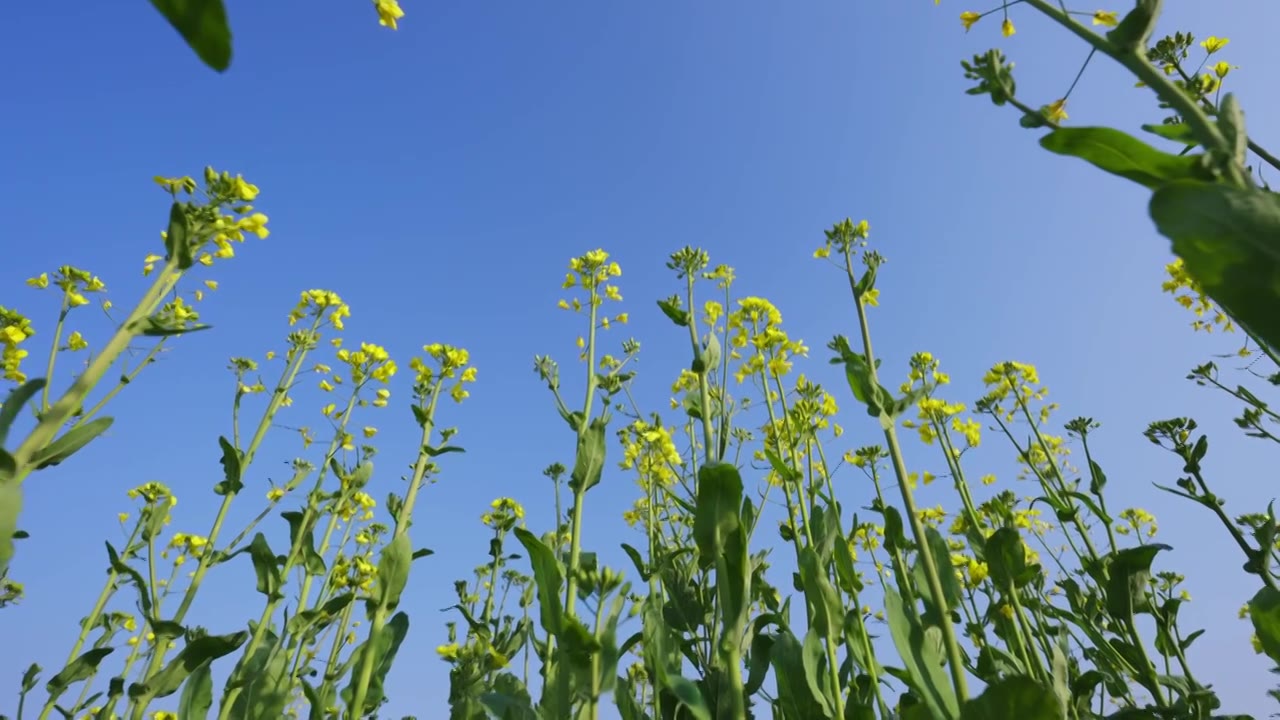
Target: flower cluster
{"points": [[15, 328], [450, 363]]}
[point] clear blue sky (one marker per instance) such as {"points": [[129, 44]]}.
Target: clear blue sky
{"points": [[440, 178]]}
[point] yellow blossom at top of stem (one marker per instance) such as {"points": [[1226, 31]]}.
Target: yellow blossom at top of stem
{"points": [[1222, 68], [315, 303], [243, 190], [1107, 18], [389, 13], [1213, 44], [1007, 29], [370, 361], [153, 492]]}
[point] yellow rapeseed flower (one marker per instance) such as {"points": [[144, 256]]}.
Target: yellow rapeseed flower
{"points": [[1213, 44], [389, 13], [1106, 17], [1006, 28], [1058, 110], [968, 18]]}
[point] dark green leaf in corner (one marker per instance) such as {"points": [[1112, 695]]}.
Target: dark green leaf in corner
{"points": [[1229, 239], [203, 24], [1013, 697]]}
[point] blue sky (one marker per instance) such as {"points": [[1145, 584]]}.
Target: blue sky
{"points": [[440, 178]]}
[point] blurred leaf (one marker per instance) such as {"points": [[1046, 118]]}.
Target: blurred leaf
{"points": [[14, 402], [10, 508], [1264, 612], [1018, 697], [1132, 33], [922, 658], [1177, 132], [201, 651], [588, 462], [177, 239], [1129, 580], [1229, 240], [203, 24]]}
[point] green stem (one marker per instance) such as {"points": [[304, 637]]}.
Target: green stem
{"points": [[125, 380], [66, 406], [53, 351], [954, 657]]}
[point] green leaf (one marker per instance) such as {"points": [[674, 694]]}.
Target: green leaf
{"points": [[1018, 697], [938, 612], [1007, 559], [588, 463], [1229, 239], [672, 310], [1177, 132], [311, 559], [826, 614], [381, 651], [795, 692], [393, 570], [1132, 33], [266, 566], [922, 657], [197, 694], [716, 509], [638, 561], [10, 508], [232, 469], [177, 240], [74, 439], [1123, 155], [1264, 612], [82, 668], [689, 696], [547, 576], [133, 576], [154, 328], [203, 24], [1129, 580], [438, 451], [14, 402], [201, 651], [264, 682]]}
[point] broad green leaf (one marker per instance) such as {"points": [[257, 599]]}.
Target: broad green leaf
{"points": [[922, 658], [689, 696], [381, 651], [14, 402], [203, 24], [201, 651], [938, 612], [716, 513], [826, 614], [1006, 559], [813, 660], [10, 508], [82, 668], [509, 700], [795, 693], [232, 469], [1018, 697], [177, 239], [588, 463], [1264, 612], [393, 570], [74, 439], [1229, 240], [1129, 580], [197, 694], [266, 567], [311, 559], [1124, 155], [548, 577]]}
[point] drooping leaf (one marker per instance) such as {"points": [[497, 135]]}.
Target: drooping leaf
{"points": [[1229, 240], [548, 578], [1177, 132], [1264, 613], [922, 658], [72, 441], [177, 239], [133, 576], [203, 25], [381, 651], [1121, 154]]}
